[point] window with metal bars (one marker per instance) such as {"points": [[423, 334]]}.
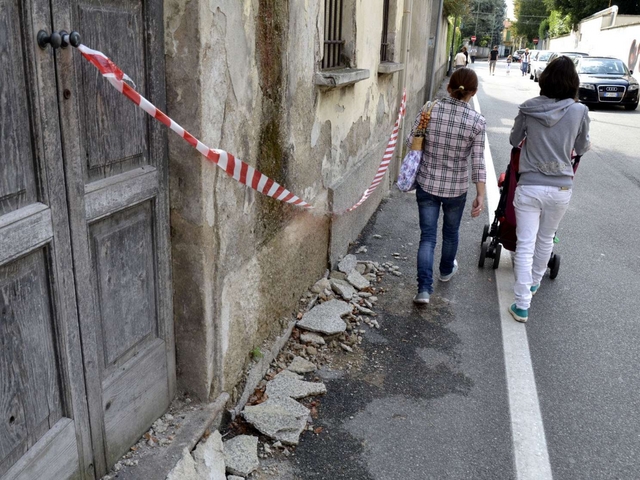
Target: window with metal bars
{"points": [[333, 40], [384, 44]]}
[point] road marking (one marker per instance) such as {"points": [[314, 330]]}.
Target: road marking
{"points": [[527, 430]]}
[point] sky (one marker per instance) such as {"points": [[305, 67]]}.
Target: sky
{"points": [[509, 9]]}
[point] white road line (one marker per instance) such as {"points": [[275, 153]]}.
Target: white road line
{"points": [[529, 442]]}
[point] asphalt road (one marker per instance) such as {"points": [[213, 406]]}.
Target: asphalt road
{"points": [[457, 389], [583, 329]]}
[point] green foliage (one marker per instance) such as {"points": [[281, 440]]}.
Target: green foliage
{"points": [[530, 15], [455, 7], [256, 354], [484, 19], [559, 24], [577, 10]]}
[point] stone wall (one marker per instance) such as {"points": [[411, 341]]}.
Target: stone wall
{"points": [[240, 76]]}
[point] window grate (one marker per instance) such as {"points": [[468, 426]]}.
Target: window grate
{"points": [[333, 41], [384, 45]]}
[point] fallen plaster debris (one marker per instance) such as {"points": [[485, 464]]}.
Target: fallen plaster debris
{"points": [[288, 384], [325, 318], [282, 419], [357, 280], [347, 264], [300, 365], [241, 455]]}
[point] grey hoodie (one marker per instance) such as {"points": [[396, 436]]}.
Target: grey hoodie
{"points": [[551, 129]]}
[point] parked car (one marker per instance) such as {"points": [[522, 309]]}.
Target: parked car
{"points": [[571, 55], [538, 62], [606, 81]]}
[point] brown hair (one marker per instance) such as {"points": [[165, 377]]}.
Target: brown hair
{"points": [[463, 81], [559, 79]]}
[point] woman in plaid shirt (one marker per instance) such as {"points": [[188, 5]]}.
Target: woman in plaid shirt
{"points": [[455, 133]]}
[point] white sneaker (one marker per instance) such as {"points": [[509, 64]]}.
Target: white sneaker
{"points": [[446, 278]]}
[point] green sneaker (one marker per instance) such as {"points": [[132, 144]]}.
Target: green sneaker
{"points": [[534, 289], [519, 314]]}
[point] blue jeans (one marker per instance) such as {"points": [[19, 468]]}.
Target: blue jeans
{"points": [[429, 211]]}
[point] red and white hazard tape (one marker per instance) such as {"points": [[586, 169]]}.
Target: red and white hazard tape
{"points": [[386, 159], [234, 167]]}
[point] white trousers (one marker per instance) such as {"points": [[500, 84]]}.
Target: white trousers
{"points": [[539, 210]]}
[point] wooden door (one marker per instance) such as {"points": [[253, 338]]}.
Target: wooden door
{"points": [[44, 429], [116, 171]]}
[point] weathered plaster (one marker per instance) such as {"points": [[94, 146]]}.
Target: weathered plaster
{"points": [[240, 77]]}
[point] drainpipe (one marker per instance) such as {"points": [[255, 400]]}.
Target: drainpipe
{"points": [[406, 48], [435, 50]]}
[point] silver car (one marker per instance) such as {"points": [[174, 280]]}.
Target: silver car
{"points": [[538, 62]]}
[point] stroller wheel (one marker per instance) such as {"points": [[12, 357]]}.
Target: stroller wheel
{"points": [[483, 254], [496, 256], [554, 265], [485, 233]]}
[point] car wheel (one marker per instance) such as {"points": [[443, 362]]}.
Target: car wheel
{"points": [[633, 106]]}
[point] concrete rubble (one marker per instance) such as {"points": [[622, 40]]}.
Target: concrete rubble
{"points": [[282, 406], [325, 318], [301, 365], [241, 455], [282, 418], [288, 384]]}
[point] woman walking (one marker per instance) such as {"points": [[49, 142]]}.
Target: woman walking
{"points": [[551, 125], [455, 132]]}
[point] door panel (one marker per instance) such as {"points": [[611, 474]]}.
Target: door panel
{"points": [[116, 170], [17, 186], [30, 400], [115, 134], [122, 249], [44, 430]]}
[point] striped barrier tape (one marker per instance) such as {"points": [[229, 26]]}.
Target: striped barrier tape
{"points": [[234, 167]]}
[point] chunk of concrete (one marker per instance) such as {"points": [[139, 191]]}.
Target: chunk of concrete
{"points": [[357, 280], [325, 318], [234, 477], [241, 455], [343, 288], [348, 263], [209, 458], [312, 338], [185, 469], [300, 365], [282, 419], [287, 385], [320, 286]]}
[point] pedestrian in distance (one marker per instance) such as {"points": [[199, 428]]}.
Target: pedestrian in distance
{"points": [[552, 125], [526, 59], [455, 132], [466, 56], [509, 60], [473, 52], [493, 58], [460, 60]]}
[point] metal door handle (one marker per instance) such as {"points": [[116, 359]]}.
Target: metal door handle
{"points": [[58, 39]]}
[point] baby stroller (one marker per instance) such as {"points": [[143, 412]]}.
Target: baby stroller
{"points": [[502, 232]]}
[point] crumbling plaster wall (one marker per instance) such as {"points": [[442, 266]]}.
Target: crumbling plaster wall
{"points": [[240, 77]]}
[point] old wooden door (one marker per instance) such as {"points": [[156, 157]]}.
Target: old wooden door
{"points": [[44, 429], [115, 159], [87, 360]]}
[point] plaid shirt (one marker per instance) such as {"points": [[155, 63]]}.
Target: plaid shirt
{"points": [[455, 131]]}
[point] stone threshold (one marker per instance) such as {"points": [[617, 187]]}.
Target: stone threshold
{"points": [[157, 462]]}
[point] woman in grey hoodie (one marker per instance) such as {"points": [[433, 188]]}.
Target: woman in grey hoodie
{"points": [[552, 126]]}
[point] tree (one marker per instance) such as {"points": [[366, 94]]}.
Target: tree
{"points": [[484, 18], [530, 15], [456, 8]]}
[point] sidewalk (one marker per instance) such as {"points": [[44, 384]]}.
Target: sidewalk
{"points": [[420, 397]]}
